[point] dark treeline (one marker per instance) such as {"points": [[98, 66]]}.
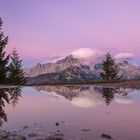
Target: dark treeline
{"points": [[11, 71]]}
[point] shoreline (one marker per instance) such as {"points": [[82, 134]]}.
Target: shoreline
{"points": [[92, 83], [8, 86]]}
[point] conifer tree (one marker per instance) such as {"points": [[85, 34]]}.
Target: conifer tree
{"points": [[110, 69], [16, 75], [3, 58]]}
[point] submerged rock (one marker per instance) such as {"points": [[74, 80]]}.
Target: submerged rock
{"points": [[18, 137], [25, 127], [35, 123], [57, 123], [86, 130], [10, 136], [3, 135], [32, 135], [40, 139], [54, 138], [106, 136]]}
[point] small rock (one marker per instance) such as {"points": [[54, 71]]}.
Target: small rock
{"points": [[19, 138], [40, 139], [25, 127], [59, 134], [32, 135], [86, 130], [3, 134], [14, 135], [11, 137], [14, 131], [106, 136], [57, 123], [35, 123], [58, 131], [54, 138]]}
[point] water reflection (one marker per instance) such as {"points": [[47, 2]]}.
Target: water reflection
{"points": [[79, 96], [15, 94], [104, 109], [108, 94], [90, 96], [8, 96]]}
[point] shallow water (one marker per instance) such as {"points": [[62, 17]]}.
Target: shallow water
{"points": [[82, 112]]}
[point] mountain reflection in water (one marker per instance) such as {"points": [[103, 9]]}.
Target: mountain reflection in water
{"points": [[79, 96], [90, 96], [82, 111]]}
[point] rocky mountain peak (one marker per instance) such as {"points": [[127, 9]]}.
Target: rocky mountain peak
{"points": [[69, 59], [123, 63], [70, 69], [60, 65]]}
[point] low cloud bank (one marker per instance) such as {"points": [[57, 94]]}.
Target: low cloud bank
{"points": [[88, 55], [94, 56], [124, 56]]}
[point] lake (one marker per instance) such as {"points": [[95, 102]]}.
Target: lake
{"points": [[81, 112]]}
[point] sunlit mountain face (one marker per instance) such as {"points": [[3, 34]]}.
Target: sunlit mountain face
{"points": [[72, 70]]}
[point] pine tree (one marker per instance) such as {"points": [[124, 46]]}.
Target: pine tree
{"points": [[110, 69], [16, 75], [3, 58]]}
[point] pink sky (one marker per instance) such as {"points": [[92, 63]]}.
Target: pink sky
{"points": [[42, 29]]}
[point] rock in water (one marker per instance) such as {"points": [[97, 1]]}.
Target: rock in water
{"points": [[106, 136], [57, 124]]}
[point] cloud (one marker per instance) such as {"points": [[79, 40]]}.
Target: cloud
{"points": [[124, 56], [86, 101], [87, 55], [123, 100]]}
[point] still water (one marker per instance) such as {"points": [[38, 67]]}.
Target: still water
{"points": [[75, 112]]}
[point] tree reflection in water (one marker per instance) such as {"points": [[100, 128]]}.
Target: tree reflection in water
{"points": [[108, 94], [88, 93], [8, 96], [15, 94]]}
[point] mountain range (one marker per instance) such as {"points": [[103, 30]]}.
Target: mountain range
{"points": [[71, 70]]}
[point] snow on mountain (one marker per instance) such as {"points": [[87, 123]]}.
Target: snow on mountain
{"points": [[129, 71], [60, 65], [70, 69]]}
